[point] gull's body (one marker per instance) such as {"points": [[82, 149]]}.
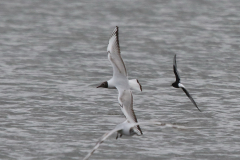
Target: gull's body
{"points": [[128, 129], [120, 80], [178, 84]]}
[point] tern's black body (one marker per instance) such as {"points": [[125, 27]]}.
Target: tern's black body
{"points": [[177, 83]]}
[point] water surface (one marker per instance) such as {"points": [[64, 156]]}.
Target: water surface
{"points": [[53, 55]]}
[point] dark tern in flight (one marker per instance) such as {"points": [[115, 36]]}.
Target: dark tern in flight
{"points": [[178, 84]]}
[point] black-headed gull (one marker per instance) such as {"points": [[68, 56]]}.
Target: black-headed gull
{"points": [[128, 129], [120, 79], [119, 69], [178, 84]]}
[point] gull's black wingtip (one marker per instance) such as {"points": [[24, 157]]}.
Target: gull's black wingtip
{"points": [[139, 129]]}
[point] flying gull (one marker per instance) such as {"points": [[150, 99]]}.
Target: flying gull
{"points": [[128, 129], [119, 69], [120, 80]]}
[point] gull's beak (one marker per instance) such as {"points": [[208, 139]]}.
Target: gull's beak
{"points": [[99, 86]]}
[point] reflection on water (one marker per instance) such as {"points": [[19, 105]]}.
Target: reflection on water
{"points": [[53, 55]]}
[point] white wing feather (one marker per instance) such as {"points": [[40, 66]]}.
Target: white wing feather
{"points": [[126, 102], [114, 54], [161, 124], [102, 139]]}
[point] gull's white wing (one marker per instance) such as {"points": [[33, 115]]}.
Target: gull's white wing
{"points": [[101, 140], [114, 55], [125, 99], [161, 124]]}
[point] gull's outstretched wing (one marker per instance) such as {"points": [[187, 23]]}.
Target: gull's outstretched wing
{"points": [[190, 97], [175, 69], [161, 124], [126, 102], [114, 54], [102, 139]]}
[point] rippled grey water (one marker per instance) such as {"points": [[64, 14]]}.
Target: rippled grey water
{"points": [[53, 55]]}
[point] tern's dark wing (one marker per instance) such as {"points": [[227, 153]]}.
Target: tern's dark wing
{"points": [[175, 69], [190, 97]]}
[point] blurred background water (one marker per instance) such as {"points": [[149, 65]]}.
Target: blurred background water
{"points": [[53, 55]]}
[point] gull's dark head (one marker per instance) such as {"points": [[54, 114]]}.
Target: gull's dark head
{"points": [[103, 85], [131, 131]]}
